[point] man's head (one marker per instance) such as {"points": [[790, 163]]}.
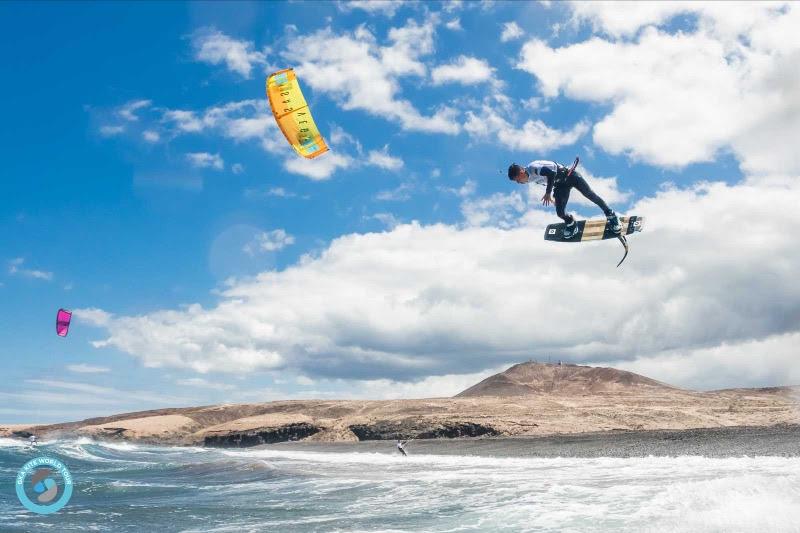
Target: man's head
{"points": [[517, 173]]}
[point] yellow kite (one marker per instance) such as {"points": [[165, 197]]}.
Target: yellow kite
{"points": [[291, 111]]}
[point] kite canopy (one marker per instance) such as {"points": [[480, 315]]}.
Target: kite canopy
{"points": [[291, 111], [63, 319]]}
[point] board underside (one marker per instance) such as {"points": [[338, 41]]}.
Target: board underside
{"points": [[593, 230]]}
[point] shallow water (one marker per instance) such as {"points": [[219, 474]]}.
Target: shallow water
{"points": [[122, 487]]}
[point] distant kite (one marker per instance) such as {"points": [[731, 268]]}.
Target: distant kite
{"points": [[63, 319], [291, 111]]}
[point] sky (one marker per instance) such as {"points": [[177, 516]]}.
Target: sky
{"points": [[145, 186]]}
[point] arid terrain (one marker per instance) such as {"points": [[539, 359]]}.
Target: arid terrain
{"points": [[528, 399]]}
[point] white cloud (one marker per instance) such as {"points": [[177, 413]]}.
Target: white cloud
{"points": [[450, 6], [214, 47], [464, 70], [128, 111], [387, 219], [707, 89], [454, 24], [319, 168], [360, 74], [83, 368], [465, 191], [398, 303], [383, 7], [185, 121], [498, 210], [16, 268], [204, 384], [606, 188], [767, 361], [382, 159], [268, 241], [511, 31], [248, 120], [534, 135], [280, 192], [151, 136], [206, 160], [93, 316], [111, 131], [401, 193], [237, 168]]}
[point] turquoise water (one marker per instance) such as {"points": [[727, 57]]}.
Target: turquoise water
{"points": [[120, 487]]}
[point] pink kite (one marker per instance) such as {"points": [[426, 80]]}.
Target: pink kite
{"points": [[62, 322]]}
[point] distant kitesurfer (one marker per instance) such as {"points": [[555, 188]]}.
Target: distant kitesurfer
{"points": [[32, 442], [401, 446], [560, 180]]}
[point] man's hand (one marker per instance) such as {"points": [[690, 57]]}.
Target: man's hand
{"points": [[547, 199]]}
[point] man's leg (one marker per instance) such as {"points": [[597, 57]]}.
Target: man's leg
{"points": [[561, 197], [587, 191]]}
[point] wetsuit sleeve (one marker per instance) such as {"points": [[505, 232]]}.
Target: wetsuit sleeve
{"points": [[550, 175]]}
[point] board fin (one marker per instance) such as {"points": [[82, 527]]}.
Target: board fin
{"points": [[624, 242]]}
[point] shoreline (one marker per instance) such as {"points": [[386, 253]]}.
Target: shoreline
{"points": [[782, 440]]}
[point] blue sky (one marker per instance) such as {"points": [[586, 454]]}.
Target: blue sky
{"points": [[145, 186]]}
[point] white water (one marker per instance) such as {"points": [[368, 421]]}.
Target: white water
{"points": [[198, 490]]}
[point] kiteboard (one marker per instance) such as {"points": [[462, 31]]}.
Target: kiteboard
{"points": [[595, 230]]}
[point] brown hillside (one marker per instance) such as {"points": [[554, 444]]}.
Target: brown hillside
{"points": [[533, 378]]}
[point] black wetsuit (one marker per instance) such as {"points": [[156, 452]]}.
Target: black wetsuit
{"points": [[561, 184]]}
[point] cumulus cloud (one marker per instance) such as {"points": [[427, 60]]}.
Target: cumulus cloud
{"points": [[766, 361], [362, 74], [464, 70], [387, 219], [128, 111], [534, 135], [498, 210], [606, 188], [454, 24], [205, 160], [511, 31], [268, 241], [398, 305], [151, 136], [214, 47], [707, 90], [383, 7], [319, 168], [382, 159]]}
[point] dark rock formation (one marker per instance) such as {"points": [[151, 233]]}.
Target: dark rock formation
{"points": [[389, 430], [249, 438]]}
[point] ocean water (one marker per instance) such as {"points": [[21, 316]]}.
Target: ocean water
{"points": [[123, 487]]}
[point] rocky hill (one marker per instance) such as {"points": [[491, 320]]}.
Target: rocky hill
{"points": [[536, 378], [528, 399]]}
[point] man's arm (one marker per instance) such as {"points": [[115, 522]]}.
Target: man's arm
{"points": [[548, 173]]}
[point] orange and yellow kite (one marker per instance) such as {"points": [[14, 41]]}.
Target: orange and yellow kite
{"points": [[292, 114]]}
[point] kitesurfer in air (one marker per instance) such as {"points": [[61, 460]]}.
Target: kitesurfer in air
{"points": [[560, 181], [401, 446]]}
